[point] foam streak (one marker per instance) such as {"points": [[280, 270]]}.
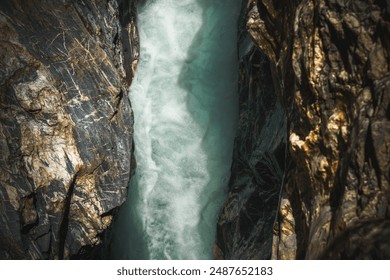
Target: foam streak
{"points": [[184, 98]]}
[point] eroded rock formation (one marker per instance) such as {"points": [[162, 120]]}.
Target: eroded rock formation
{"points": [[329, 61], [65, 122]]}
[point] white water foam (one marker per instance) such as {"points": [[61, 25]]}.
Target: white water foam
{"points": [[184, 98]]}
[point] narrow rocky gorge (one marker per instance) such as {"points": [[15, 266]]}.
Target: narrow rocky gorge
{"points": [[310, 173], [184, 99]]}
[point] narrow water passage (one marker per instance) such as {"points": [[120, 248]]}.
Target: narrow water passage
{"points": [[185, 103]]}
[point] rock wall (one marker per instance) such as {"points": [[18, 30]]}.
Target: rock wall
{"points": [[65, 123], [245, 224], [329, 61]]}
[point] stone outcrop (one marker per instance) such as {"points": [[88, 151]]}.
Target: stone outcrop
{"points": [[329, 61], [65, 123]]}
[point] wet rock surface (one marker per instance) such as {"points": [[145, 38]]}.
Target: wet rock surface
{"points": [[245, 224], [329, 61], [65, 123]]}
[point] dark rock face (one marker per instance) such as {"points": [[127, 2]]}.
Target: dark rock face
{"points": [[65, 123], [245, 225], [330, 66]]}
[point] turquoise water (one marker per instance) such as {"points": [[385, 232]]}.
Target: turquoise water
{"points": [[185, 103]]}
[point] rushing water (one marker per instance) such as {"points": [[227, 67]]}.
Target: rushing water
{"points": [[185, 103]]}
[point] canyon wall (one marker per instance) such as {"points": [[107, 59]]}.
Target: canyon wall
{"points": [[65, 123], [329, 61]]}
